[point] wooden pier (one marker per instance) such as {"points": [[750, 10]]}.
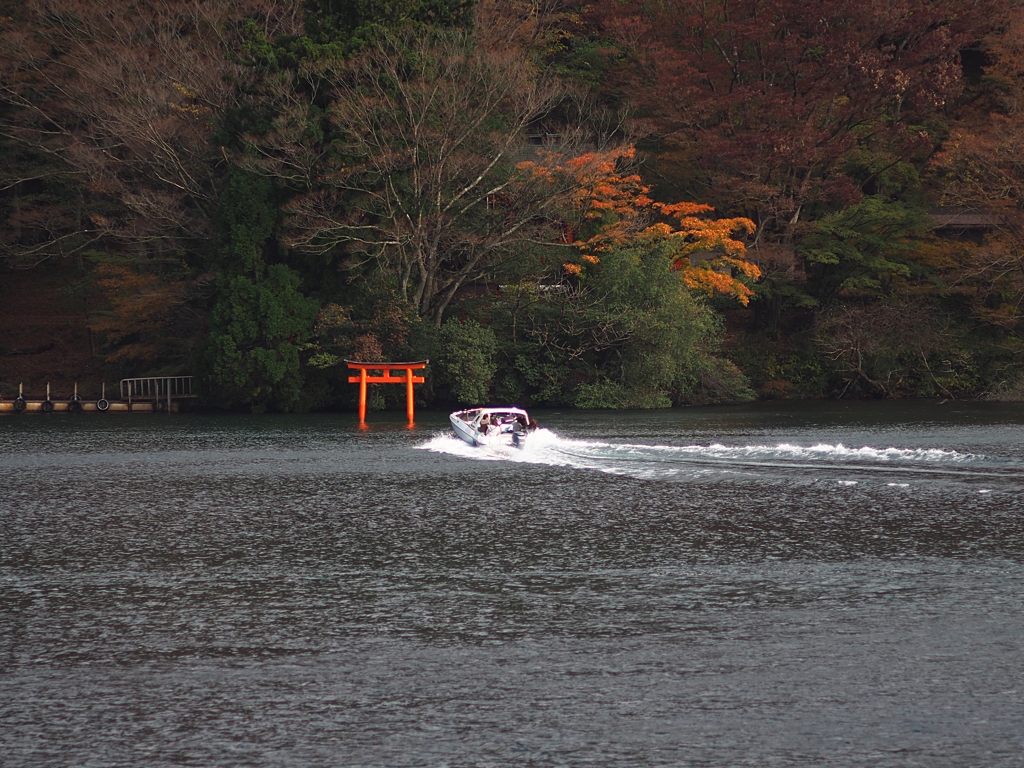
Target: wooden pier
{"points": [[86, 406], [151, 394]]}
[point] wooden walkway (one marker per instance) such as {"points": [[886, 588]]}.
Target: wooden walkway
{"points": [[150, 394]]}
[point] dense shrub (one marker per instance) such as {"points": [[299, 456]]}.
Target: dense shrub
{"points": [[465, 362]]}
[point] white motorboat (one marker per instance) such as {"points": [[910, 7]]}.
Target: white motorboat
{"points": [[496, 427]]}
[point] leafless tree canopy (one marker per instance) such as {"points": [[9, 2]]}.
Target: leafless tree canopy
{"points": [[124, 99], [880, 344], [424, 175]]}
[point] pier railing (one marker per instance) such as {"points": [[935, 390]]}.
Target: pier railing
{"points": [[157, 388]]}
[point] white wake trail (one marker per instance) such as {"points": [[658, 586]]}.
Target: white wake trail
{"points": [[652, 461]]}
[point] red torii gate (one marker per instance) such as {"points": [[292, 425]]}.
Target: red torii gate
{"points": [[385, 377]]}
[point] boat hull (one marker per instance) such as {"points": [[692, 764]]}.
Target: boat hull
{"points": [[463, 430]]}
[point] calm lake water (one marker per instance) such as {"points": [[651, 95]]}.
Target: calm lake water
{"points": [[794, 584]]}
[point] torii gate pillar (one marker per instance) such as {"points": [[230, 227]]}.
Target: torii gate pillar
{"points": [[380, 373]]}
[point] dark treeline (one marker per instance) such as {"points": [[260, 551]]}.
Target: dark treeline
{"points": [[618, 204]]}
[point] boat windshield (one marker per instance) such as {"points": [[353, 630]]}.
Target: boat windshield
{"points": [[505, 420]]}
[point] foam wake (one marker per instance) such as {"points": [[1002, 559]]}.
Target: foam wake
{"points": [[694, 461], [784, 451]]}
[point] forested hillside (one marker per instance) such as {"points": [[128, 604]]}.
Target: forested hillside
{"points": [[558, 202]]}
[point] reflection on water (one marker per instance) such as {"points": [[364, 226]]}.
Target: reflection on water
{"points": [[793, 584]]}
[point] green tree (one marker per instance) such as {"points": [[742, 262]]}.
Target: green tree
{"points": [[465, 362], [863, 248], [257, 327], [246, 222], [628, 333], [353, 22], [260, 319]]}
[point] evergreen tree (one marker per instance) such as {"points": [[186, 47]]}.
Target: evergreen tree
{"points": [[352, 23], [259, 318]]}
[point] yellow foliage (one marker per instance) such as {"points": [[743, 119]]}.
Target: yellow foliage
{"points": [[187, 109], [187, 93]]}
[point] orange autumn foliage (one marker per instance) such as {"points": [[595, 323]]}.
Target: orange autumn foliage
{"points": [[694, 234], [613, 207]]}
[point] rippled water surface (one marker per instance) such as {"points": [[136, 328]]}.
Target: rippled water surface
{"points": [[795, 584]]}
